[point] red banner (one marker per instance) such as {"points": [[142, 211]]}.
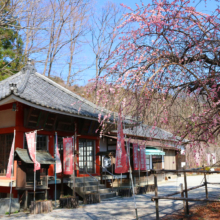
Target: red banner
{"points": [[135, 157], [31, 142], [68, 156], [58, 161], [143, 158], [121, 165], [10, 161]]}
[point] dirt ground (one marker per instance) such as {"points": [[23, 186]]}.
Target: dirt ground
{"points": [[209, 211]]}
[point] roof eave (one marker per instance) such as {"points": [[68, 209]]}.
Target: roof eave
{"points": [[16, 98]]}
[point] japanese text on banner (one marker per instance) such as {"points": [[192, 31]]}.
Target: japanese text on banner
{"points": [[31, 142], [143, 158], [68, 156]]}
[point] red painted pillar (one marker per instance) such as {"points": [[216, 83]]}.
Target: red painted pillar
{"points": [[51, 151], [97, 157], [19, 124]]}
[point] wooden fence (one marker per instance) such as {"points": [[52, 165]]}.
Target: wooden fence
{"points": [[183, 198]]}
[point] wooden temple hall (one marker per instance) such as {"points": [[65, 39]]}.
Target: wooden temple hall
{"points": [[30, 101]]}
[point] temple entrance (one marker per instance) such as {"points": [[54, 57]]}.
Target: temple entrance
{"points": [[86, 155]]}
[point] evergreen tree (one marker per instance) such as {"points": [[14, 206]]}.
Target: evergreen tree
{"points": [[11, 45]]}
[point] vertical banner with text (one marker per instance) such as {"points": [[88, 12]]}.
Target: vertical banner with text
{"points": [[143, 158], [135, 157], [121, 165], [31, 142], [58, 161], [68, 156], [10, 161]]}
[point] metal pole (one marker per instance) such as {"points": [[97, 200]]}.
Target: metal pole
{"points": [[139, 157], [34, 168], [128, 155], [55, 167], [121, 180], [156, 200], [206, 186], [12, 170], [132, 184], [112, 178], [74, 137], [75, 148], [186, 194]]}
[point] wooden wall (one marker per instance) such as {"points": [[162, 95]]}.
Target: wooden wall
{"points": [[170, 160]]}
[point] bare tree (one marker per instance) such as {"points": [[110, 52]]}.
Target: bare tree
{"points": [[77, 28], [65, 17], [104, 34]]}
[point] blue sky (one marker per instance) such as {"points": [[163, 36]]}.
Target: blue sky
{"points": [[88, 56]]}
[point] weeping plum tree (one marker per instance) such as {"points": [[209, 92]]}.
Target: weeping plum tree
{"points": [[170, 57]]}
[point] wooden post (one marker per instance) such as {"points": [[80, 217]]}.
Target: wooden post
{"points": [[26, 200], [46, 194], [182, 195], [156, 200], [186, 194], [112, 177], [206, 186]]}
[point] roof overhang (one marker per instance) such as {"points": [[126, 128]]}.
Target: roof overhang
{"points": [[153, 151], [43, 157], [14, 98], [146, 143]]}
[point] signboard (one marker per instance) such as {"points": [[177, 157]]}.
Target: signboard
{"points": [[143, 158], [58, 161], [121, 165], [68, 156], [135, 157], [31, 143], [10, 161], [208, 159]]}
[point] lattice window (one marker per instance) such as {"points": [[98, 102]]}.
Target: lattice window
{"points": [[5, 147], [42, 142], [86, 155]]}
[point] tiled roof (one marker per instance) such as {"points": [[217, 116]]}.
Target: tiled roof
{"points": [[43, 157], [40, 90], [150, 132]]}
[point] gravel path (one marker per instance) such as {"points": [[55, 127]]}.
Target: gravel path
{"points": [[123, 208]]}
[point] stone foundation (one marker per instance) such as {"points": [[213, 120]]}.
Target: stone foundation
{"points": [[4, 205]]}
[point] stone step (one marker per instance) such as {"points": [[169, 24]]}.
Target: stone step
{"points": [[90, 188], [85, 184], [107, 195], [102, 191]]}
